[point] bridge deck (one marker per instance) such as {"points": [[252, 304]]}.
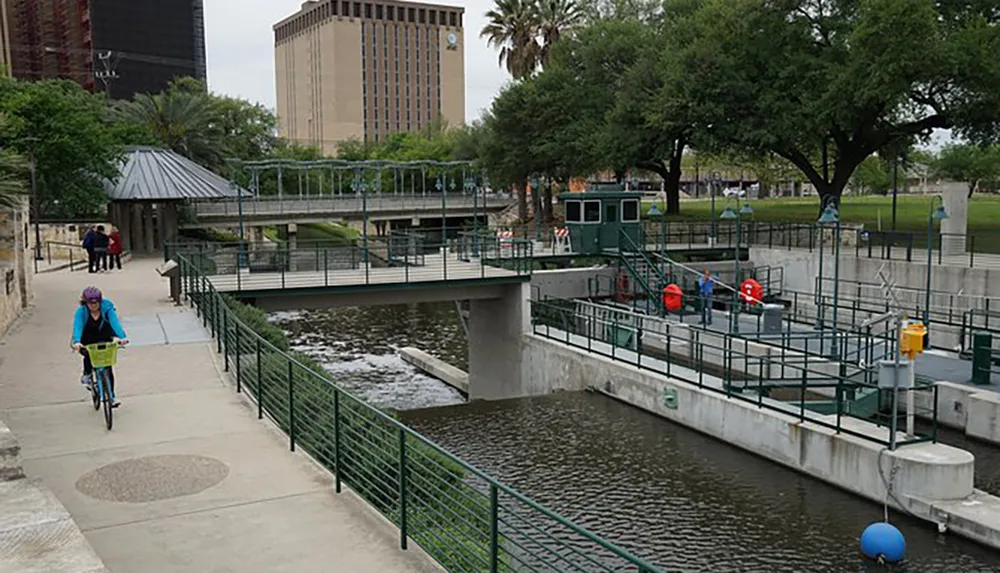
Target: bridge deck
{"points": [[436, 269]]}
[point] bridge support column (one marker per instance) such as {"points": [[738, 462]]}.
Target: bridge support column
{"points": [[292, 235], [496, 333]]}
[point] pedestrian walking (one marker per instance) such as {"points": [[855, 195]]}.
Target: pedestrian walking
{"points": [[88, 245], [115, 249], [101, 243], [705, 288]]}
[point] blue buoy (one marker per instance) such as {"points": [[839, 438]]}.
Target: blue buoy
{"points": [[883, 541]]}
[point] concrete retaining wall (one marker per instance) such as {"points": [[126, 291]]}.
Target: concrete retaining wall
{"points": [[437, 368], [802, 268], [934, 481], [570, 283], [973, 410], [37, 534]]}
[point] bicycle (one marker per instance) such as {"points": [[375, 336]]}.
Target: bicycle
{"points": [[103, 356]]}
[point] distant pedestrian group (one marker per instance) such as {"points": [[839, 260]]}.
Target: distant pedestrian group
{"points": [[104, 250]]}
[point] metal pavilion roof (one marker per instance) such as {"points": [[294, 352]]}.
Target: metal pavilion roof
{"points": [[155, 174]]}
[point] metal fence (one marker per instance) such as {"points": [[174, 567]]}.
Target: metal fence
{"points": [[862, 243], [393, 259], [463, 518], [772, 376]]}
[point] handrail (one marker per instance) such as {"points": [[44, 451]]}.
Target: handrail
{"points": [[698, 343], [229, 331]]}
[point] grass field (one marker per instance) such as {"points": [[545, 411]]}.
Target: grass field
{"points": [[911, 214]]}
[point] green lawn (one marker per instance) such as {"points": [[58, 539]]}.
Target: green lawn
{"points": [[912, 210]]}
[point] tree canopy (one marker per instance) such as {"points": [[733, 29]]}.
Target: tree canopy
{"points": [[820, 85], [64, 128]]}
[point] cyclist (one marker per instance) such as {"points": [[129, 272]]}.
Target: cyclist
{"points": [[95, 322]]}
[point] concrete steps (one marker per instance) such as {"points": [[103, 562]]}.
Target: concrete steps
{"points": [[37, 534]]}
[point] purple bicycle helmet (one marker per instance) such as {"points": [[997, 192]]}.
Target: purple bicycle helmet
{"points": [[91, 294]]}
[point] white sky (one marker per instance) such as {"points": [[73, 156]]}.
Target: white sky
{"points": [[240, 46]]}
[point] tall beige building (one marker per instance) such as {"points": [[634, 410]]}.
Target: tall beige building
{"points": [[364, 70]]}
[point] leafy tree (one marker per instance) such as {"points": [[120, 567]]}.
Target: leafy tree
{"points": [[979, 166], [64, 127], [826, 83], [871, 176]]}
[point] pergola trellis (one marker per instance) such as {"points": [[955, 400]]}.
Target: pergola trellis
{"points": [[369, 176]]}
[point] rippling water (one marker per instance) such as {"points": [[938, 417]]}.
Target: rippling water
{"points": [[358, 346], [685, 501]]}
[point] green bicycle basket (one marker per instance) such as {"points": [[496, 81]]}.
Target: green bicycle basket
{"points": [[103, 354]]}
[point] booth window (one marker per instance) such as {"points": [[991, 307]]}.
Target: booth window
{"points": [[630, 211], [591, 211], [573, 213]]}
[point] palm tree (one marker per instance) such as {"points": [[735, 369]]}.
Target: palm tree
{"points": [[12, 189], [512, 26], [184, 121], [555, 18]]}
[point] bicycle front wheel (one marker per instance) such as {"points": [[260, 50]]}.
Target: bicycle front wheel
{"points": [[106, 392]]}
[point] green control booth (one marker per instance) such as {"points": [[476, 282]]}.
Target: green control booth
{"points": [[597, 218]]}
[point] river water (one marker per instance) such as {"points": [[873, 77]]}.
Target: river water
{"points": [[684, 501]]}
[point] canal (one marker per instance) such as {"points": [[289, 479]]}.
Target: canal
{"points": [[685, 501]]}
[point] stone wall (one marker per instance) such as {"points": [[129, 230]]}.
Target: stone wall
{"points": [[59, 240], [16, 262]]}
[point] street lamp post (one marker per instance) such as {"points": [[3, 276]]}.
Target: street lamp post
{"points": [[712, 188], [655, 211], [932, 214], [729, 213], [241, 261], [831, 215]]}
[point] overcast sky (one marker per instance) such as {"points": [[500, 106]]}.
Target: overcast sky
{"points": [[240, 46]]}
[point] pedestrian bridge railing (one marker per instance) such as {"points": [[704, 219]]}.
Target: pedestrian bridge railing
{"points": [[349, 204], [463, 518], [394, 259]]}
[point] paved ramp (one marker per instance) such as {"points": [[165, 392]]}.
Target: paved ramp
{"points": [[165, 328], [189, 481]]}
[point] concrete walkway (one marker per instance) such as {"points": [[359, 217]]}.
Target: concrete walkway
{"points": [[189, 480]]}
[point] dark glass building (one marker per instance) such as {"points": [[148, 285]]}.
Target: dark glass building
{"points": [[137, 45]]}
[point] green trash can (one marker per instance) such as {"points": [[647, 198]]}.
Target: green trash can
{"points": [[982, 350]]}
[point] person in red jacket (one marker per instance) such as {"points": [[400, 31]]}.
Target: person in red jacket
{"points": [[115, 249]]}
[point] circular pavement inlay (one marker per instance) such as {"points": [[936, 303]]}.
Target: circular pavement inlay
{"points": [[153, 478]]}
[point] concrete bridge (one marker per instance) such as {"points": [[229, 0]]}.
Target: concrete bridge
{"points": [[376, 207]]}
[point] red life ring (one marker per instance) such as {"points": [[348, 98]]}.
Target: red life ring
{"points": [[672, 297], [751, 292]]}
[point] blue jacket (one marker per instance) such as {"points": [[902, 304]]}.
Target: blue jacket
{"points": [[705, 287], [88, 239], [107, 313]]}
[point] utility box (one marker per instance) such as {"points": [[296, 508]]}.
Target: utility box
{"points": [[911, 340], [982, 355], [772, 318], [887, 370], [599, 217]]}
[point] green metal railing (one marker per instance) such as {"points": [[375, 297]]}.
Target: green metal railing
{"points": [[398, 259], [743, 369], [464, 519]]}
